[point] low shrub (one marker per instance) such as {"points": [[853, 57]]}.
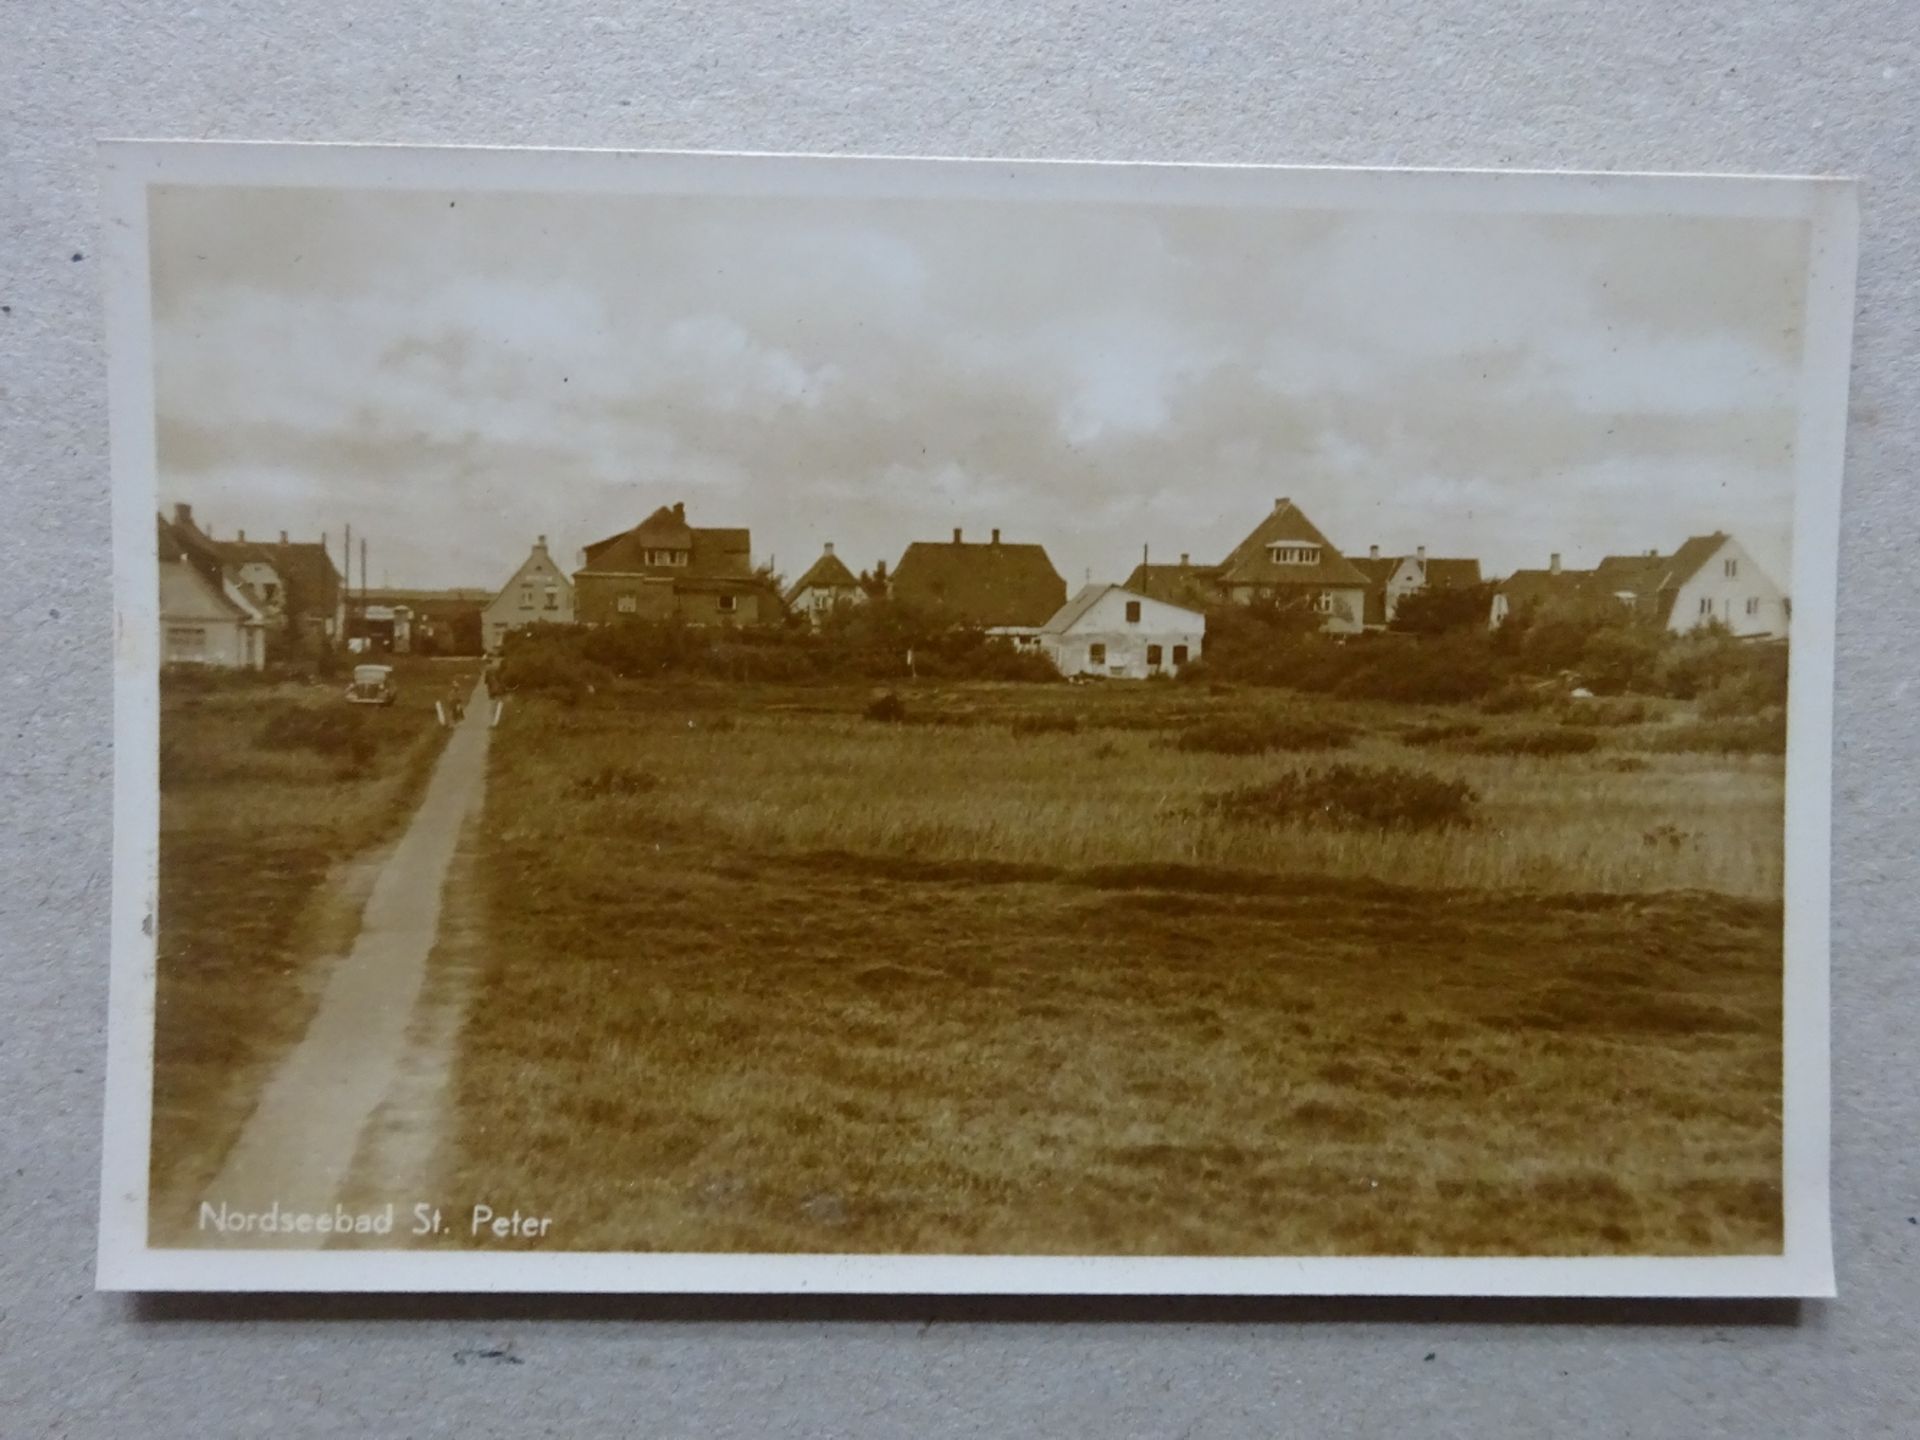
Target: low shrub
{"points": [[1384, 797], [551, 671], [1626, 764], [1514, 699], [1439, 733], [616, 781], [1532, 742], [888, 709], [1602, 713], [1257, 735], [340, 733], [1045, 724]]}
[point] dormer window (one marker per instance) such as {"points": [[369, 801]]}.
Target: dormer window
{"points": [[666, 557], [1294, 552]]}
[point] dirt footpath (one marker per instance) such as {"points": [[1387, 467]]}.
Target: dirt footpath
{"points": [[299, 1144]]}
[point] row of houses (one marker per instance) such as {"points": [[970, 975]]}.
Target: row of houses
{"points": [[1153, 622]]}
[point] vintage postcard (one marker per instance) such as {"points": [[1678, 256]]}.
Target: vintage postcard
{"points": [[756, 723]]}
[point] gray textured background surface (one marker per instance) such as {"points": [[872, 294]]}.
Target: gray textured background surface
{"points": [[1772, 85]]}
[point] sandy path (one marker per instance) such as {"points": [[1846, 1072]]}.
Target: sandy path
{"points": [[299, 1143]]}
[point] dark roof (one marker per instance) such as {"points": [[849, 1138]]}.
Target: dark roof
{"points": [[980, 584], [170, 548], [1654, 581], [829, 572], [1452, 574], [1378, 569], [1534, 587], [1176, 584], [714, 553], [1251, 564], [305, 569]]}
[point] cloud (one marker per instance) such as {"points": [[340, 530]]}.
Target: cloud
{"points": [[454, 374]]}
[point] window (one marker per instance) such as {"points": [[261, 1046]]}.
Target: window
{"points": [[1753, 605], [1133, 612], [1323, 602], [186, 642], [1732, 568], [1294, 554], [729, 603], [553, 597], [1096, 654], [666, 557], [1153, 657], [1706, 605], [526, 597], [1179, 655], [626, 605]]}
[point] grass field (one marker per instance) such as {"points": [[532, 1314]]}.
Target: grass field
{"points": [[267, 791], [767, 974]]}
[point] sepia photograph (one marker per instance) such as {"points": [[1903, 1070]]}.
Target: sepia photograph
{"points": [[771, 723]]}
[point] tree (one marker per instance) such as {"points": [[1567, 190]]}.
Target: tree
{"points": [[1433, 611]]}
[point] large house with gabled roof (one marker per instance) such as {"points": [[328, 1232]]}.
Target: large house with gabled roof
{"points": [[1115, 633], [988, 584], [206, 616], [1710, 579], [538, 593], [664, 567], [1285, 559]]}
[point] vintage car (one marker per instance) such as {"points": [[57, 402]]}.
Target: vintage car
{"points": [[372, 685]]}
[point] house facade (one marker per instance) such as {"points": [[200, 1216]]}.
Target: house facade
{"points": [[1391, 578], [1285, 560], [827, 585], [292, 584], [665, 568], [1113, 632], [1710, 579], [539, 592], [989, 584], [205, 619]]}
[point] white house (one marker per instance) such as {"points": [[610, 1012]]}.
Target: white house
{"points": [[204, 620], [538, 593], [827, 585], [1709, 578], [1109, 630]]}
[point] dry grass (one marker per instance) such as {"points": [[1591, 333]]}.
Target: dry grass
{"points": [[251, 830], [813, 775], [836, 986]]}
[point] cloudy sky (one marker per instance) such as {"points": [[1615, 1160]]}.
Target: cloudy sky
{"points": [[455, 373]]}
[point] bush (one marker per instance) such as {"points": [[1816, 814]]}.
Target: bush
{"points": [[1532, 742], [341, 733], [549, 670], [1438, 734], [1257, 735], [1621, 657], [611, 781], [1602, 713], [888, 709], [1043, 724], [1373, 797], [1514, 698]]}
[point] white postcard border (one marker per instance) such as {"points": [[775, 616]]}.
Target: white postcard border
{"points": [[127, 1262]]}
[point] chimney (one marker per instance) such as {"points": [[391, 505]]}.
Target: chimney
{"points": [[1373, 552], [1553, 563], [241, 536], [1420, 553], [182, 514], [996, 537], [540, 542], [283, 537], [1183, 557], [829, 547], [1280, 503], [956, 534], [679, 509], [1653, 554]]}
